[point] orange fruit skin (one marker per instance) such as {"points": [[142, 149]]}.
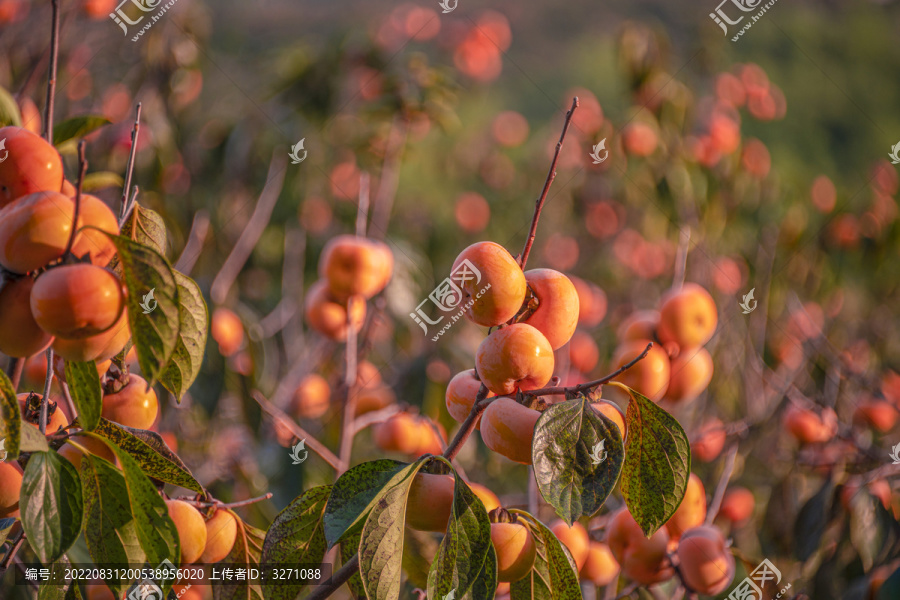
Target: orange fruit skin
{"points": [[312, 397], [650, 375], [709, 440], [808, 427], [461, 393], [429, 502], [706, 565], [592, 302], [355, 266], [515, 357], [132, 406], [575, 538], [507, 283], [583, 352], [374, 397], [640, 325], [487, 497], [32, 165], [515, 550], [95, 446], [34, 230], [643, 560], [100, 347], [95, 213], [507, 428], [688, 317], [10, 486], [77, 301], [20, 335], [612, 413], [738, 505], [692, 510], [328, 316], [880, 415], [400, 433], [600, 567], [54, 421], [191, 530], [221, 532], [557, 314], [691, 372], [228, 331]]}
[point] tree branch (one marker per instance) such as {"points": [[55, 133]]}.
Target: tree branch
{"points": [[311, 442], [126, 200], [51, 79]]}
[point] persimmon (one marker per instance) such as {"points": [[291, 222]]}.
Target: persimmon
{"points": [[367, 374], [709, 440], [355, 266], [100, 347], [461, 393], [600, 567], [592, 302], [515, 550], [408, 434], [328, 316], [639, 139], [738, 504], [692, 510], [93, 445], [878, 488], [640, 325], [191, 530], [32, 165], [557, 312], [133, 406], [706, 565], [612, 413], [372, 398], [880, 415], [10, 486], [77, 301], [311, 398], [30, 407], [688, 317], [429, 502], [517, 357], [487, 497], [583, 352], [650, 376], [228, 330], [34, 230], [507, 428], [642, 559], [94, 212], [499, 270], [20, 335], [690, 374], [809, 427], [221, 532], [433, 437], [575, 538]]}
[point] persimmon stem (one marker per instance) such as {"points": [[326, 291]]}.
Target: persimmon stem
{"points": [[468, 426], [219, 504], [82, 170], [551, 175], [723, 484], [123, 209], [14, 371], [51, 78], [46, 397]]}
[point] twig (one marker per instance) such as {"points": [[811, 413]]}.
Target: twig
{"points": [[51, 79], [70, 404], [351, 377], [390, 178], [684, 242], [551, 175], [46, 397], [4, 565], [257, 224], [723, 484], [362, 210], [123, 209], [311, 442], [217, 503], [376, 416], [468, 426], [82, 170], [348, 570], [194, 245], [14, 370]]}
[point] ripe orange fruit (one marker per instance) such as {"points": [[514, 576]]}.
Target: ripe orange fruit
{"points": [[583, 352], [499, 270], [77, 301], [221, 532], [808, 427], [461, 393], [56, 418], [191, 530], [95, 213], [691, 372], [10, 485], [738, 504], [557, 313], [32, 165], [328, 316], [429, 502], [311, 398], [507, 428], [692, 510], [515, 550], [355, 266], [20, 335], [515, 357], [34, 230], [132, 406], [707, 567], [600, 567], [228, 330], [650, 376], [709, 440], [575, 538], [688, 317], [642, 559], [100, 347]]}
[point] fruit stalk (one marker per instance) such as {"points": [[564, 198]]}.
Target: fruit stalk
{"points": [[723, 483], [123, 209], [14, 371], [51, 79], [46, 397], [216, 503], [551, 175], [82, 170]]}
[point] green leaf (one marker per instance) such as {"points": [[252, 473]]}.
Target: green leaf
{"points": [[84, 385], [381, 547], [57, 573], [349, 549], [50, 504], [485, 585], [9, 110], [146, 226], [11, 421], [867, 526], [356, 492], [565, 438], [109, 528], [184, 366], [151, 454], [657, 462], [73, 593], [465, 546], [33, 440], [296, 536], [6, 526], [245, 553], [155, 334], [100, 180], [419, 550], [77, 127], [554, 575], [155, 530]]}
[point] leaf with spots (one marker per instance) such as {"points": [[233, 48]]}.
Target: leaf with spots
{"points": [[657, 462], [554, 575], [84, 386], [569, 439], [50, 504], [184, 364], [11, 421]]}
